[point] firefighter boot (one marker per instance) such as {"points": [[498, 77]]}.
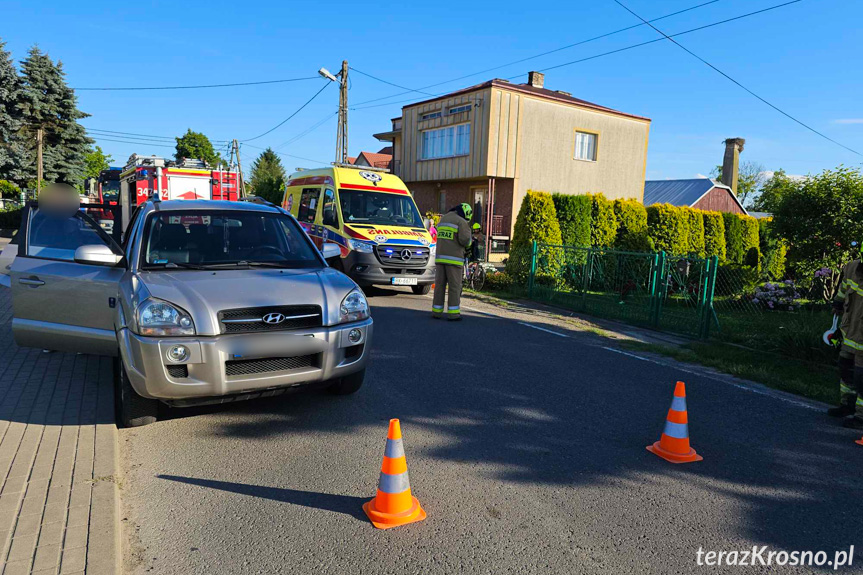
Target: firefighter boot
{"points": [[848, 395], [853, 422]]}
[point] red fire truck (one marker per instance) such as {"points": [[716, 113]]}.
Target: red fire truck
{"points": [[186, 180]]}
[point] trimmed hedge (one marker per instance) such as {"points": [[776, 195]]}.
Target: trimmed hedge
{"points": [[696, 231], [603, 223], [574, 218], [632, 226], [714, 234], [536, 221], [751, 241], [668, 227]]}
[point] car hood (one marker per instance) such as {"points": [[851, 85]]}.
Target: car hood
{"points": [[205, 293]]}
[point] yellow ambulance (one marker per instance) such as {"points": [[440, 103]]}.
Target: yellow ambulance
{"points": [[370, 214]]}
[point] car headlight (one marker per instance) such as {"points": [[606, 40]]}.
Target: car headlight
{"points": [[156, 317], [359, 246], [354, 307]]}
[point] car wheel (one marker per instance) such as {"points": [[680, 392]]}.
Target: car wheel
{"points": [[349, 384], [132, 409], [421, 290]]}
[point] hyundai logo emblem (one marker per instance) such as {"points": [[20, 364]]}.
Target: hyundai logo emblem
{"points": [[406, 255], [274, 318]]}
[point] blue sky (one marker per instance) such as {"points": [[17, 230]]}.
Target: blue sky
{"points": [[805, 58]]}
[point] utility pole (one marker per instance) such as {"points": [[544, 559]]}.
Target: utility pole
{"points": [[342, 137], [241, 184], [39, 137]]}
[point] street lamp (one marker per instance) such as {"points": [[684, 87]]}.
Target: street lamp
{"points": [[324, 73]]}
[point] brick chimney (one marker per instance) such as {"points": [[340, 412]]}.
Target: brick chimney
{"points": [[731, 162], [536, 79]]}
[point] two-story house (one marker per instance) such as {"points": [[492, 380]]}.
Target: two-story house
{"points": [[491, 143]]}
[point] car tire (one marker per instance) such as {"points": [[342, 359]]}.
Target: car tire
{"points": [[348, 384], [132, 409], [421, 290]]}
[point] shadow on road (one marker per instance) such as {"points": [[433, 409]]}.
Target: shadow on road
{"points": [[324, 501]]}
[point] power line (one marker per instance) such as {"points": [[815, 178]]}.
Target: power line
{"points": [[307, 131], [616, 51], [703, 61], [280, 124], [113, 133], [104, 139], [397, 85], [292, 156], [535, 56], [137, 88]]}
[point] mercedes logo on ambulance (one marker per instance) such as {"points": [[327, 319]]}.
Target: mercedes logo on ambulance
{"points": [[274, 318], [372, 177], [405, 255]]}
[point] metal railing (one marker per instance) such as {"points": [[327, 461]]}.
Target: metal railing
{"points": [[692, 295]]}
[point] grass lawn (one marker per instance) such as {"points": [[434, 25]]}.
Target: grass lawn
{"points": [[813, 380]]}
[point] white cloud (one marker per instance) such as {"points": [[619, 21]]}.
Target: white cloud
{"points": [[702, 176], [848, 121], [769, 174]]}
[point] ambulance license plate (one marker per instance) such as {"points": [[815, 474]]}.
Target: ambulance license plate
{"points": [[404, 281]]}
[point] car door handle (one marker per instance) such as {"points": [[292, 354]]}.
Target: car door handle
{"points": [[31, 282]]}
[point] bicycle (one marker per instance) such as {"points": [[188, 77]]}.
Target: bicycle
{"points": [[474, 275]]}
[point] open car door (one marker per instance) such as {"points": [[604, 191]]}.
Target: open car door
{"points": [[65, 280]]}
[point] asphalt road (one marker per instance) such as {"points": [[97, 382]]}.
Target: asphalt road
{"points": [[526, 448]]}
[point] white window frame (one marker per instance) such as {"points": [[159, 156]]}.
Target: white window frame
{"points": [[431, 115], [459, 109], [442, 148], [582, 149]]}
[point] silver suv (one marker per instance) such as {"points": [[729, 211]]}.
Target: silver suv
{"points": [[204, 302]]}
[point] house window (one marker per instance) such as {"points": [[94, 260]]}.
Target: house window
{"points": [[459, 109], [585, 146], [430, 116], [446, 142]]}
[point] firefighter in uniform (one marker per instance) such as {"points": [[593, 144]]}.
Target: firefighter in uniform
{"points": [[849, 304], [453, 238]]}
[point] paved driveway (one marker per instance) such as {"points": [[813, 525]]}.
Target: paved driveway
{"points": [[526, 448]]}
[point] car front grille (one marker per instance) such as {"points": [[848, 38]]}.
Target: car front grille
{"points": [[403, 256], [269, 364], [252, 319]]}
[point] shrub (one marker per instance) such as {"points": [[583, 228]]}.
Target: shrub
{"points": [[776, 296], [735, 280], [435, 218], [574, 218], [499, 281], [668, 227], [10, 219], [603, 223], [9, 190], [631, 218], [536, 221], [741, 239], [714, 234], [773, 251], [696, 231]]}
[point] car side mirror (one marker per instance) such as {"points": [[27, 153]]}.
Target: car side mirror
{"points": [[330, 250], [427, 223], [97, 254], [329, 218]]}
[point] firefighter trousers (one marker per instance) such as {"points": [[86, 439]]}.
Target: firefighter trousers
{"points": [[447, 276], [851, 380]]}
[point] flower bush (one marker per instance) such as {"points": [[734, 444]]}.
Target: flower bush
{"points": [[776, 296]]}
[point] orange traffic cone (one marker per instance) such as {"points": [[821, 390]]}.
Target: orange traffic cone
{"points": [[859, 441], [673, 445], [394, 505]]}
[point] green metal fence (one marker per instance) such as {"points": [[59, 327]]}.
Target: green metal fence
{"points": [[650, 289], [689, 295]]}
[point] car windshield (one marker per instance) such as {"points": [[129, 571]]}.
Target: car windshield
{"points": [[382, 208], [203, 239], [110, 190]]}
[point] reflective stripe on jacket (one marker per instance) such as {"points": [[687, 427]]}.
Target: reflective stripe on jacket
{"points": [[453, 237]]}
